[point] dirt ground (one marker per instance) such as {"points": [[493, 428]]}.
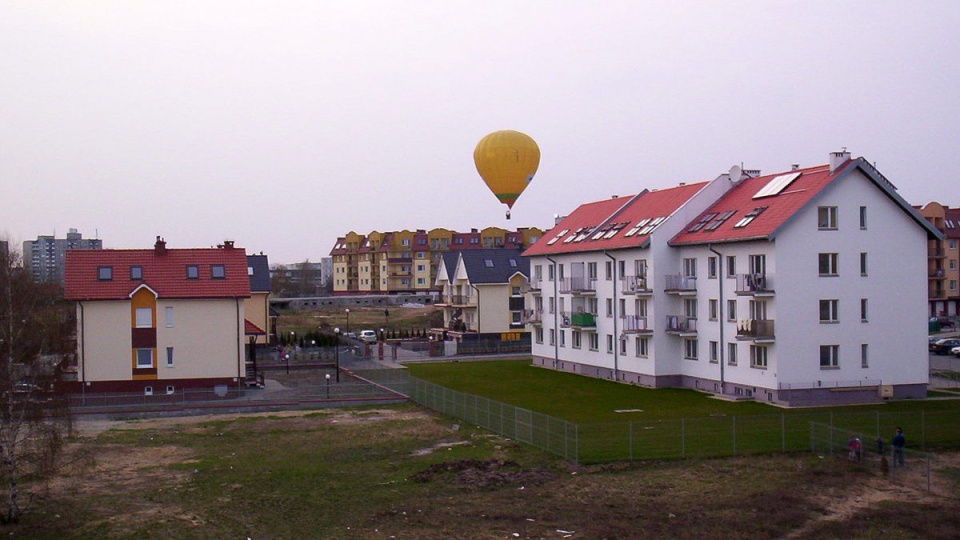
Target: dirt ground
{"points": [[118, 468]]}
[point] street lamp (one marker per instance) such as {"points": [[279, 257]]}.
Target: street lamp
{"points": [[348, 320], [327, 376], [287, 358], [337, 352]]}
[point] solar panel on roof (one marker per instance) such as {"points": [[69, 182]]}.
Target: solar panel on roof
{"points": [[777, 185]]}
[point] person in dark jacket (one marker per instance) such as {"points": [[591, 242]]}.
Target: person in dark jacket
{"points": [[898, 442]]}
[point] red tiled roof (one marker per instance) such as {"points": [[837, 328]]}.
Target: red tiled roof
{"points": [[777, 208], [165, 274], [621, 214], [251, 329]]}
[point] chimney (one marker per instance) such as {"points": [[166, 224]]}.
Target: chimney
{"points": [[838, 158], [160, 248], [795, 167], [228, 244]]}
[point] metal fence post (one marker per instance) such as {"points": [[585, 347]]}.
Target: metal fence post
{"points": [[733, 432], [630, 439], [923, 429], [683, 437], [783, 433]]}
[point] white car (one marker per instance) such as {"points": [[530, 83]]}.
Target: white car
{"points": [[368, 335], [955, 351]]}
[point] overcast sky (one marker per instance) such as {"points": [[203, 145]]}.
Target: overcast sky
{"points": [[282, 125]]}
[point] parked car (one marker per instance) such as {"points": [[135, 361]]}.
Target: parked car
{"points": [[368, 335], [945, 322], [956, 351], [944, 346]]}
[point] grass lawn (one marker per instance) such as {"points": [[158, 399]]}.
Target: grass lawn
{"points": [[680, 423]]}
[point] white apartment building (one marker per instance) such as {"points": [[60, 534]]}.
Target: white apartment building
{"points": [[781, 288]]}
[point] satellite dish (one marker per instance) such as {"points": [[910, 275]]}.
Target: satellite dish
{"points": [[735, 173]]}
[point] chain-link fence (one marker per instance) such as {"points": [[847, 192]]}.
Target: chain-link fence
{"points": [[713, 436], [903, 466]]}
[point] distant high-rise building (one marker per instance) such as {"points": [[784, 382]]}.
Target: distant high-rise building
{"points": [[44, 257]]}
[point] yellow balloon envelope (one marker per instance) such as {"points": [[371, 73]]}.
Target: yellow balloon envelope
{"points": [[507, 161]]}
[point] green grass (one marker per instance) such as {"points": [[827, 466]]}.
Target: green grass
{"points": [[674, 423]]}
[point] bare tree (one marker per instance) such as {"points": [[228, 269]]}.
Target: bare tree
{"points": [[35, 325]]}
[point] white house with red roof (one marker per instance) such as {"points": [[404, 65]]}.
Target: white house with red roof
{"points": [[159, 320], [800, 288]]}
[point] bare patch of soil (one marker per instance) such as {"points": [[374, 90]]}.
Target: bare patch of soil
{"points": [[484, 474]]}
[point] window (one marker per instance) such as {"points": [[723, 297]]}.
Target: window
{"points": [[690, 268], [515, 291], [193, 271], [609, 307], [690, 307], [594, 342], [144, 317], [953, 284], [864, 361], [863, 310], [731, 310], [732, 354], [168, 312], [863, 217], [828, 264], [550, 272], [515, 317], [758, 264], [421, 281], [863, 263], [640, 306], [553, 336], [609, 344], [553, 305], [643, 346], [170, 390], [828, 311], [105, 273], [690, 349], [758, 357], [144, 358], [538, 272], [714, 352], [136, 273], [217, 271], [827, 218], [829, 356], [563, 338], [169, 356], [249, 270], [952, 243], [623, 345], [608, 270], [712, 267], [421, 268], [148, 390], [714, 309], [577, 337], [592, 270], [731, 266], [488, 263], [538, 334]]}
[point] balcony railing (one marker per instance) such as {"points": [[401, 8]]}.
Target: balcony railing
{"points": [[935, 252], [678, 283], [756, 284], [534, 283], [635, 324], [755, 329], [532, 316], [681, 325], [578, 285], [634, 285], [454, 300], [577, 320], [937, 274]]}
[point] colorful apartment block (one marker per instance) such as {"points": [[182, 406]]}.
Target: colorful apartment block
{"points": [[943, 254]]}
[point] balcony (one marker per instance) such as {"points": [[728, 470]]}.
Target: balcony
{"points": [[937, 274], [534, 284], [681, 326], [532, 316], [635, 324], [756, 330], [682, 285], [937, 294], [936, 253], [577, 320], [578, 285], [754, 285], [635, 285]]}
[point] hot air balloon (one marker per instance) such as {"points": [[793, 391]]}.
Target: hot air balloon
{"points": [[507, 161]]}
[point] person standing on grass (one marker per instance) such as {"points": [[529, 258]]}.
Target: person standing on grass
{"points": [[898, 442]]}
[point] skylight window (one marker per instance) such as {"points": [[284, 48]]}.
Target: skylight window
{"points": [[557, 237], [750, 216], [513, 263], [778, 184], [720, 220], [488, 263], [703, 222]]}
